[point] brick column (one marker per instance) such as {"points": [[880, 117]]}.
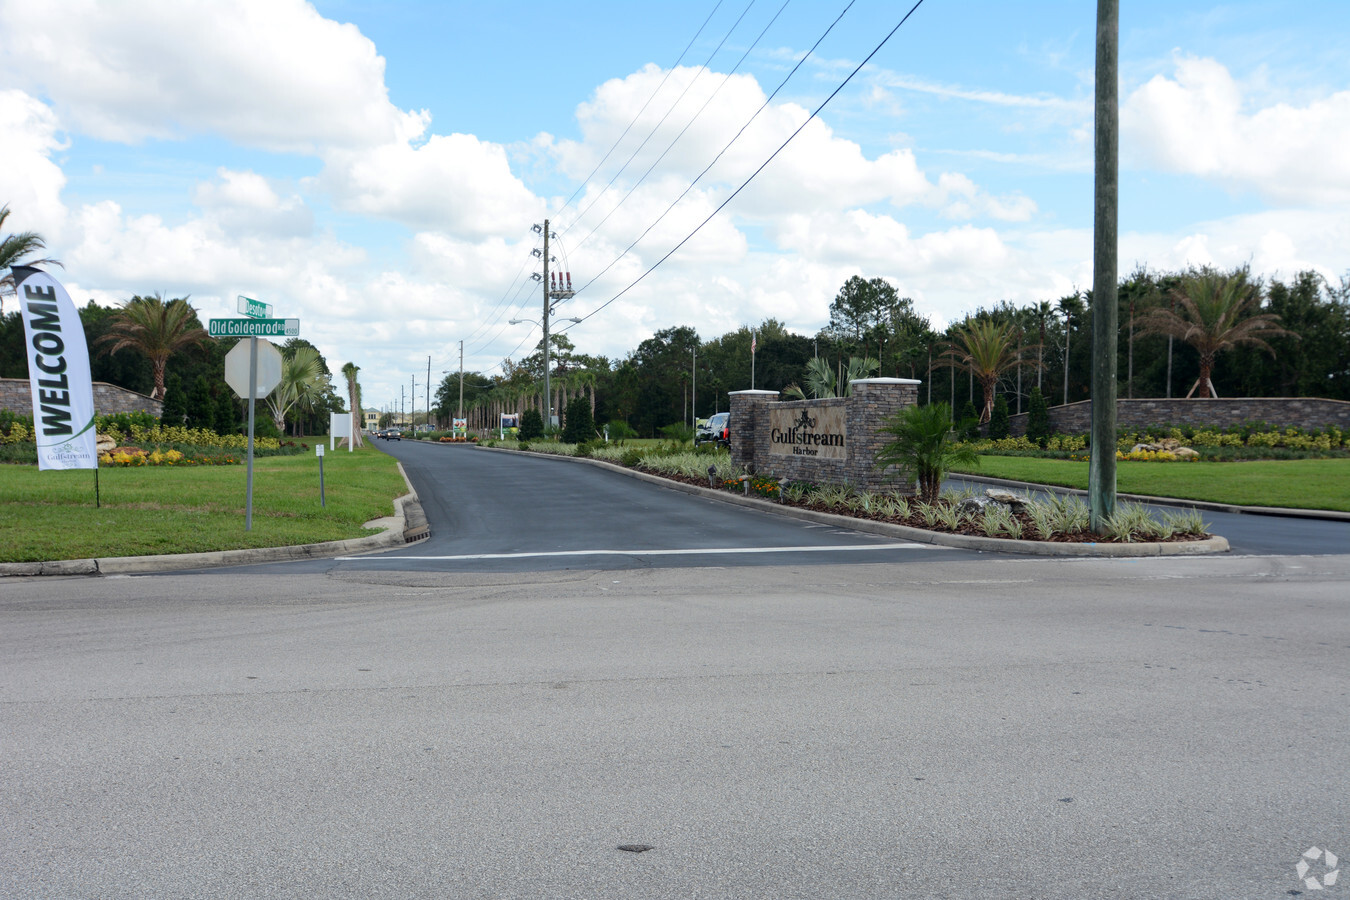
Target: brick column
{"points": [[873, 401], [749, 425]]}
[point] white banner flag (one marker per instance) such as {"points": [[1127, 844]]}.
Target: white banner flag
{"points": [[58, 373]]}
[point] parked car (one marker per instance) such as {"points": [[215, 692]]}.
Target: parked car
{"points": [[717, 429]]}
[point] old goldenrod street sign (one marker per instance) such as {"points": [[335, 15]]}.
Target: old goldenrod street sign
{"points": [[816, 431], [254, 328]]}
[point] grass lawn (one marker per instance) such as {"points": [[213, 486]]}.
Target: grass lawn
{"points": [[1296, 483], [160, 509]]}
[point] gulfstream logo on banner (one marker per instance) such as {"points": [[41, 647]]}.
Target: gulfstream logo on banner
{"points": [[58, 373]]}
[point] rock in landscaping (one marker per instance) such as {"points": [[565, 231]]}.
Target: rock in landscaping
{"points": [[1007, 498], [1184, 453], [105, 444]]}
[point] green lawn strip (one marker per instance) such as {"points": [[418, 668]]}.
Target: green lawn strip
{"points": [[161, 509], [1295, 484]]}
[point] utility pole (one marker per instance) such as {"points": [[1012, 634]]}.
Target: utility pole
{"points": [[460, 414], [552, 292], [412, 402], [428, 392], [693, 390], [401, 421], [1105, 316]]}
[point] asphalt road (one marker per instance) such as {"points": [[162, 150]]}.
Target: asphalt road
{"points": [[1164, 728], [511, 512], [777, 709]]}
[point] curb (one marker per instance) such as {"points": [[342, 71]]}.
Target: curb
{"points": [[1329, 515], [1215, 544], [404, 530]]}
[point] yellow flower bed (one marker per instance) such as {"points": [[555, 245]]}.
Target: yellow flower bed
{"points": [[198, 437]]}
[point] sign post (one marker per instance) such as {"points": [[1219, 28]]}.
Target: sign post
{"points": [[252, 371], [318, 451]]}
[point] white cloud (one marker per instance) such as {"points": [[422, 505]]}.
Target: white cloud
{"points": [[266, 73], [1200, 122], [452, 183], [246, 202], [817, 171], [30, 183]]}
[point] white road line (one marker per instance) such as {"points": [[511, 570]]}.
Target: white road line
{"points": [[718, 551]]}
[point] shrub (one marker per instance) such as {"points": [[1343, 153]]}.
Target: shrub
{"points": [[619, 430], [578, 425], [968, 423], [998, 419], [1038, 419], [923, 449], [531, 425], [678, 432]]}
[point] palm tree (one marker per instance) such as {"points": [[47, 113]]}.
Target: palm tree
{"points": [[986, 349], [156, 329], [823, 382], [1068, 306], [349, 371], [303, 383], [1215, 311], [924, 447], [13, 249]]}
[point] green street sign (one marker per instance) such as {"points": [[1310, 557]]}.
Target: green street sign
{"points": [[254, 308], [254, 328]]}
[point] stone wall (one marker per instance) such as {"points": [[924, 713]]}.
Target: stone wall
{"points": [[108, 399], [873, 401], [1301, 412]]}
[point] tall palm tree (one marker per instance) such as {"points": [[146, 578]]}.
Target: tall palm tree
{"points": [[1068, 306], [156, 329], [13, 249], [1214, 312], [303, 383], [986, 349], [349, 371]]}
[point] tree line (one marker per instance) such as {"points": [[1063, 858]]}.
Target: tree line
{"points": [[1221, 333]]}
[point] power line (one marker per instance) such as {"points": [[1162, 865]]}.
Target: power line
{"points": [[657, 127], [775, 153], [706, 169], [618, 141], [672, 144]]}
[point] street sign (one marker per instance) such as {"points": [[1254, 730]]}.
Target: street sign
{"points": [[269, 369], [254, 328], [254, 308]]}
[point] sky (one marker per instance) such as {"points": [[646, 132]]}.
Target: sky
{"points": [[374, 169]]}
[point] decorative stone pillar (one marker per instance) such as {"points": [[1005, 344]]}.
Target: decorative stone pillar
{"points": [[872, 402], [749, 426]]}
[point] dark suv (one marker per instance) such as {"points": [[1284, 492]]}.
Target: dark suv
{"points": [[717, 429]]}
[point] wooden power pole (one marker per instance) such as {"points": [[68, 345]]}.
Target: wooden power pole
{"points": [[1105, 324]]}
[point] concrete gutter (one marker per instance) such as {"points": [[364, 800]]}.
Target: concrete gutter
{"points": [[1210, 545], [1326, 514], [406, 525]]}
